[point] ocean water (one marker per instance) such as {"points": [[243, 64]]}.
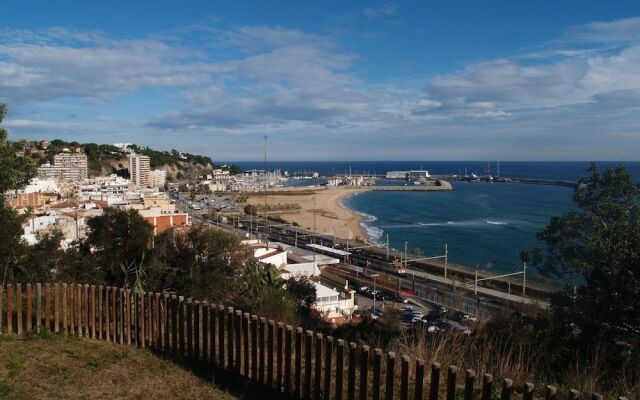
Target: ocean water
{"points": [[483, 224]]}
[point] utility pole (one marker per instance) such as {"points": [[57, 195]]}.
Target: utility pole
{"points": [[524, 278], [374, 276], [475, 291], [387, 246], [446, 259], [406, 257]]}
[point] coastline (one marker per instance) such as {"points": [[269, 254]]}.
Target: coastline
{"points": [[321, 207]]}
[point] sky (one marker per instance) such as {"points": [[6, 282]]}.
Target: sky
{"points": [[328, 80]]}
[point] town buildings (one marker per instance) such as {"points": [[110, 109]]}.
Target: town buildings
{"points": [[157, 178], [139, 169], [66, 167]]}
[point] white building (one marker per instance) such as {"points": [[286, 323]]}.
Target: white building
{"points": [[66, 167], [139, 168], [157, 178], [333, 304], [103, 186]]}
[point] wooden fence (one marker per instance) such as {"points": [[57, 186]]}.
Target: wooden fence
{"points": [[291, 361]]}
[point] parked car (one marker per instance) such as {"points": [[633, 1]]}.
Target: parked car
{"points": [[470, 318], [458, 316]]}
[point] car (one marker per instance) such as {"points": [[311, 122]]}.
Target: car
{"points": [[458, 316], [363, 289], [433, 329], [399, 299], [470, 318], [417, 314], [407, 308]]}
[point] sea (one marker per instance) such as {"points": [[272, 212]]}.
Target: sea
{"points": [[483, 225]]}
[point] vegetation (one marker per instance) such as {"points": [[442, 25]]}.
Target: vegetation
{"points": [[60, 367]]}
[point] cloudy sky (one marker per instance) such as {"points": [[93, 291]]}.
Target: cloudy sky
{"points": [[334, 80]]}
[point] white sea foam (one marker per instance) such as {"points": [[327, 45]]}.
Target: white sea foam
{"points": [[495, 222]]}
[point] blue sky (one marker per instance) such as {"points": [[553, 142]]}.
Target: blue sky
{"points": [[330, 80]]}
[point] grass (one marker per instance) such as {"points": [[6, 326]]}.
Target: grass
{"points": [[55, 367]]}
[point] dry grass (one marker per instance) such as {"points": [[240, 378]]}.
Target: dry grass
{"points": [[70, 368]]}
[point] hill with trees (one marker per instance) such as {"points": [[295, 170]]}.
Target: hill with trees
{"points": [[104, 159]]}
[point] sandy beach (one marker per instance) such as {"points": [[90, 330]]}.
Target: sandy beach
{"points": [[317, 207]]}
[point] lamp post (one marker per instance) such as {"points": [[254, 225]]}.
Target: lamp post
{"points": [[374, 276]]}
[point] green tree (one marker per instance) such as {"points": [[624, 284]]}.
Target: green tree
{"points": [[304, 291], [15, 172], [598, 247], [118, 239], [203, 263]]}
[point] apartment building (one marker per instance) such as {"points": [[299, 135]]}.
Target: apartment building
{"points": [[66, 167], [139, 170]]}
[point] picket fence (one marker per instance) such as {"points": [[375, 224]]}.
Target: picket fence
{"points": [[292, 362]]}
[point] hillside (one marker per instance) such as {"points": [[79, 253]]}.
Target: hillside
{"points": [[105, 159], [70, 368]]}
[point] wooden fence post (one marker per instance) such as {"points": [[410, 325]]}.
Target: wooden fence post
{"points": [[550, 392], [245, 343], [318, 367], [19, 308], [230, 338], [298, 363], [93, 311], [262, 332], [56, 308], [213, 354], [79, 309], [85, 303], [131, 317], [120, 319], [113, 316], [391, 375], [364, 371], [38, 307], [270, 339], [29, 314], [47, 307], [527, 392], [100, 328], [190, 328], [339, 369], [351, 375], [166, 323], [419, 380], [221, 311], [181, 328], [307, 365], [469, 381], [435, 381], [107, 314], [452, 374], [328, 365], [9, 309], [377, 366], [175, 306], [507, 389], [254, 348], [238, 340], [404, 378], [279, 349], [287, 360], [487, 386], [140, 317], [204, 311]]}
